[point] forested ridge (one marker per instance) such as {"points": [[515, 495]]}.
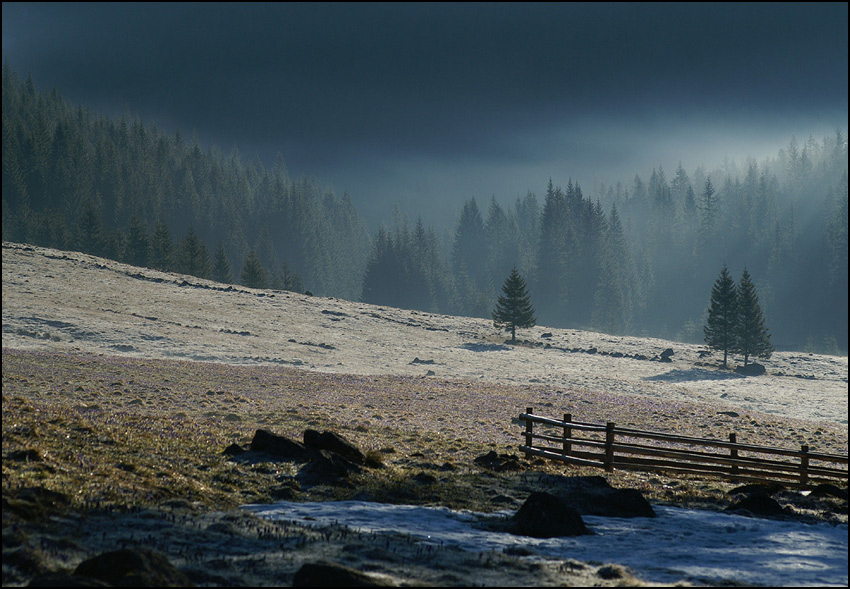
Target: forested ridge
{"points": [[633, 258]]}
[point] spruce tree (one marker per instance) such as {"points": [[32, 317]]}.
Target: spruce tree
{"points": [[221, 267], [162, 248], [721, 327], [514, 308], [751, 336], [192, 256], [253, 274]]}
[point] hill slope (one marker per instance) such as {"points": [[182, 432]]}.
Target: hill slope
{"points": [[57, 301]]}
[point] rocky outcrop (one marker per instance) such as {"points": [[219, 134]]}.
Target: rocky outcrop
{"points": [[137, 567], [593, 495], [333, 443], [498, 462], [761, 505], [328, 457], [546, 516], [281, 447], [327, 467]]}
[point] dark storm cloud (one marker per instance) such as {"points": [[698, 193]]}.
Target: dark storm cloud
{"points": [[525, 85]]}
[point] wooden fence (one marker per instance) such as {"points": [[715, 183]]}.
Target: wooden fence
{"points": [[608, 446]]}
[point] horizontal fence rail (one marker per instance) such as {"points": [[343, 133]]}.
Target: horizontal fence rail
{"points": [[610, 447]]}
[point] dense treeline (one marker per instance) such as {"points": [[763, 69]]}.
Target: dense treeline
{"points": [[127, 191], [636, 259]]}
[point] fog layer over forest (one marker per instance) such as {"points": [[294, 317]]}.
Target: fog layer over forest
{"points": [[636, 256]]}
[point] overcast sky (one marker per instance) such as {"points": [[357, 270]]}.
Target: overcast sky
{"points": [[428, 105]]}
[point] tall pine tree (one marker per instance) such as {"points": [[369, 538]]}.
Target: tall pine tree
{"points": [[721, 327], [751, 336], [514, 309]]}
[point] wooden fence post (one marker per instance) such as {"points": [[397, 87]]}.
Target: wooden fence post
{"points": [[733, 438], [804, 465], [529, 426], [609, 446], [568, 433]]}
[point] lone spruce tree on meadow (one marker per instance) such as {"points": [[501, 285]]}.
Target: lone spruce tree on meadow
{"points": [[513, 309], [722, 324], [751, 336]]}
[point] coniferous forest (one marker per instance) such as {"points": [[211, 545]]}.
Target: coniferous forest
{"points": [[637, 257]]}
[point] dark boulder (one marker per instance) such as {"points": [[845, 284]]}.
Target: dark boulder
{"points": [[322, 574], [326, 468], [754, 369], [334, 443], [666, 355], [759, 505], [498, 462], [593, 495], [136, 567], [233, 450], [547, 516], [758, 489], [828, 489], [280, 446]]}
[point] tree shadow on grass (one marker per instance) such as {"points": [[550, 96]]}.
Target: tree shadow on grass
{"points": [[694, 374], [476, 347]]}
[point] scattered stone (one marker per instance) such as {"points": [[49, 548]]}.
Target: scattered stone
{"points": [[234, 450], [666, 355], [759, 505], [136, 567], [828, 489], [416, 360], [323, 574], [498, 462], [280, 446], [611, 571], [546, 516], [424, 478], [334, 443], [327, 468], [754, 369]]}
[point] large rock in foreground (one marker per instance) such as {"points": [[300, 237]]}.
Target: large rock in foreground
{"points": [[137, 567], [547, 516], [322, 574], [593, 495]]}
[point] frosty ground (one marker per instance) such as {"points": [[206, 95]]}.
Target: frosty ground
{"points": [[68, 301], [415, 372]]}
